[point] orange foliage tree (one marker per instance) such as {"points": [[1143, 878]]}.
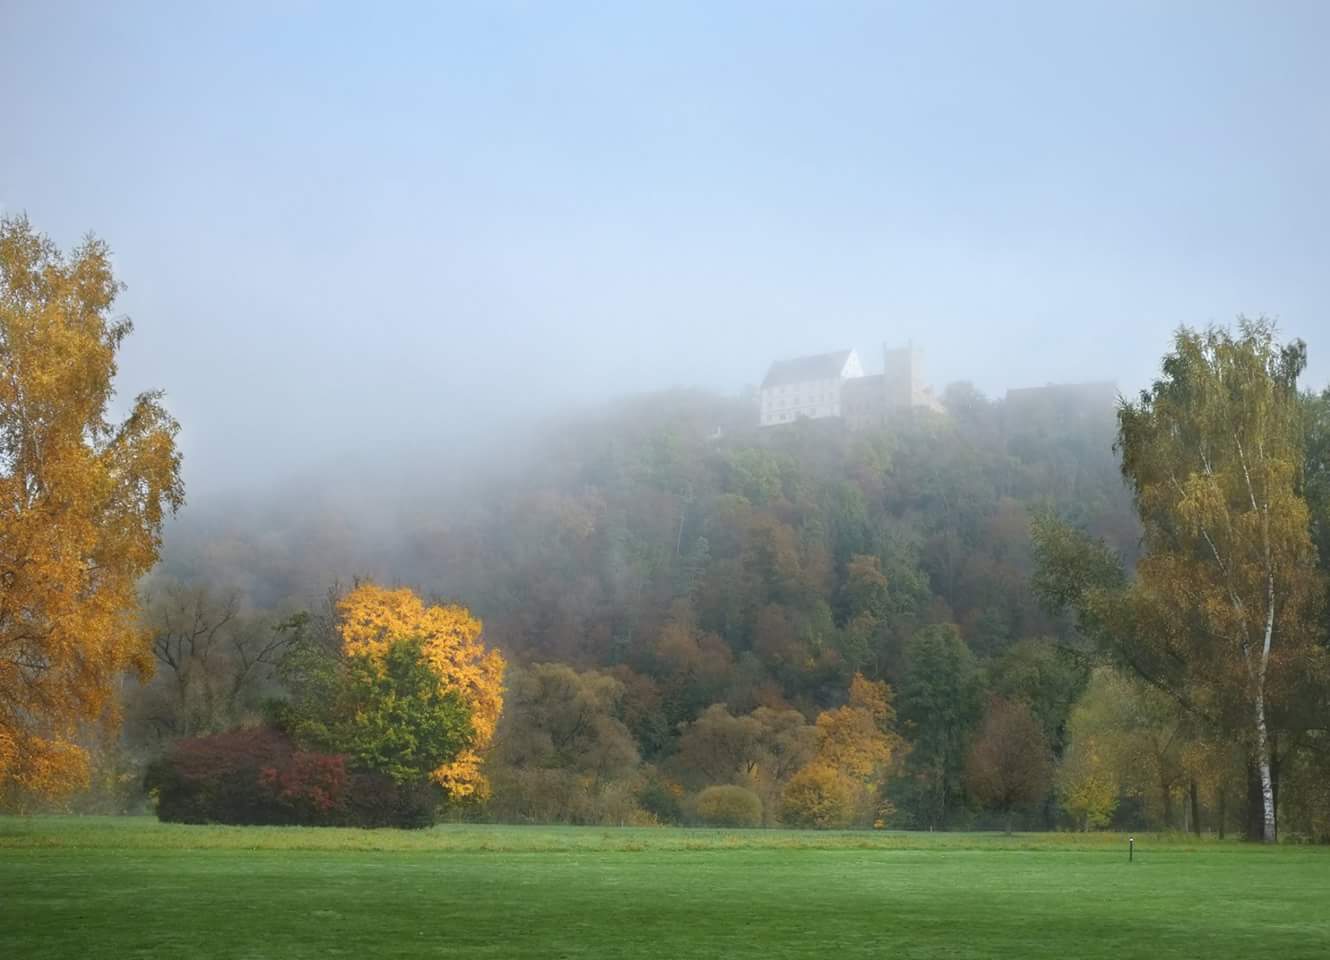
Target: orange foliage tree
{"points": [[373, 618], [855, 746], [82, 501]]}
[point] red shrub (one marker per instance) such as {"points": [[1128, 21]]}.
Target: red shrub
{"points": [[246, 776], [258, 776], [310, 782]]}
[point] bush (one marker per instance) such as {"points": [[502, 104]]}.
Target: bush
{"points": [[541, 795], [258, 777], [819, 796], [661, 799], [728, 806], [376, 800], [221, 779]]}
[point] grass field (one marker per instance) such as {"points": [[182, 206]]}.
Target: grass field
{"points": [[111, 888]]}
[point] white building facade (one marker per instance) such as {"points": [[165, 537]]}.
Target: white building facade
{"points": [[807, 387], [834, 385]]}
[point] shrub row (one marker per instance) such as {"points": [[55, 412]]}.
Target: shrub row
{"points": [[257, 776]]}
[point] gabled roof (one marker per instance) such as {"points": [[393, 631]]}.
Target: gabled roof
{"points": [[821, 366]]}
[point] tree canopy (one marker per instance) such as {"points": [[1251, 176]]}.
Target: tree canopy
{"points": [[82, 500]]}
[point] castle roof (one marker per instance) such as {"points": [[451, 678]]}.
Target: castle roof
{"points": [[820, 366]]}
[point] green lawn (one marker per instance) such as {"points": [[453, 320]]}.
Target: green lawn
{"points": [[109, 888]]}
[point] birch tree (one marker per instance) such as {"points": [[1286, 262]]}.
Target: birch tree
{"points": [[82, 501], [1226, 589]]}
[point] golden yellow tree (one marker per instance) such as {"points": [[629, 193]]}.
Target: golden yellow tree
{"points": [[857, 738], [855, 746], [81, 506], [373, 618]]}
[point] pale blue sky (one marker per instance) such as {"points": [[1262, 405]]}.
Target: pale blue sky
{"points": [[374, 225]]}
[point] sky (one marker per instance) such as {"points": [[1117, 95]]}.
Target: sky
{"points": [[376, 227]]}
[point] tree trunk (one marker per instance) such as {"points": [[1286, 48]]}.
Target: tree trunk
{"points": [[1254, 820], [1011, 817], [1275, 764], [1166, 795], [1195, 800], [1263, 766]]}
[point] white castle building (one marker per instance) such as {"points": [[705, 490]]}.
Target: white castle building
{"points": [[808, 387], [834, 385]]}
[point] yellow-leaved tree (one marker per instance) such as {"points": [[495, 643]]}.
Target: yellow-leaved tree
{"points": [[856, 744], [373, 618], [82, 500]]}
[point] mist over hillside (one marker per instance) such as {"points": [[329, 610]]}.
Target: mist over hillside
{"points": [[643, 477]]}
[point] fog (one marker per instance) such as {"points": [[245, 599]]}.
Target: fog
{"points": [[354, 237]]}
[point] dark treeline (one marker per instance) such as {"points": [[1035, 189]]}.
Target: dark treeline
{"points": [[708, 622]]}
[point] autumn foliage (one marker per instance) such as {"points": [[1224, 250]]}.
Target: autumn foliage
{"points": [[728, 805], [389, 707], [1009, 765], [245, 776], [259, 776], [820, 796], [855, 746], [82, 499], [374, 618]]}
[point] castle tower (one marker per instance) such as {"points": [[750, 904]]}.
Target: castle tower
{"points": [[902, 377]]}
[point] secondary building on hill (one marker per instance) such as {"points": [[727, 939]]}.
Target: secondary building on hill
{"points": [[834, 385], [1062, 403], [1095, 396]]}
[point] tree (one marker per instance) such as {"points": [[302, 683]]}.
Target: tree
{"points": [[1127, 738], [1046, 677], [719, 748], [1228, 584], [819, 796], [558, 718], [562, 751], [403, 662], [215, 664], [843, 778], [1089, 776], [858, 739], [871, 608], [387, 712], [1008, 765], [1316, 483], [1316, 468], [760, 751], [786, 741], [867, 591], [82, 499], [1086, 782], [939, 703]]}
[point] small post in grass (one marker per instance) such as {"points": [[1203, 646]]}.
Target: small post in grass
{"points": [[1131, 848]]}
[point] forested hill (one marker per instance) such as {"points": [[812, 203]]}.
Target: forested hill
{"points": [[708, 622], [668, 535]]}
